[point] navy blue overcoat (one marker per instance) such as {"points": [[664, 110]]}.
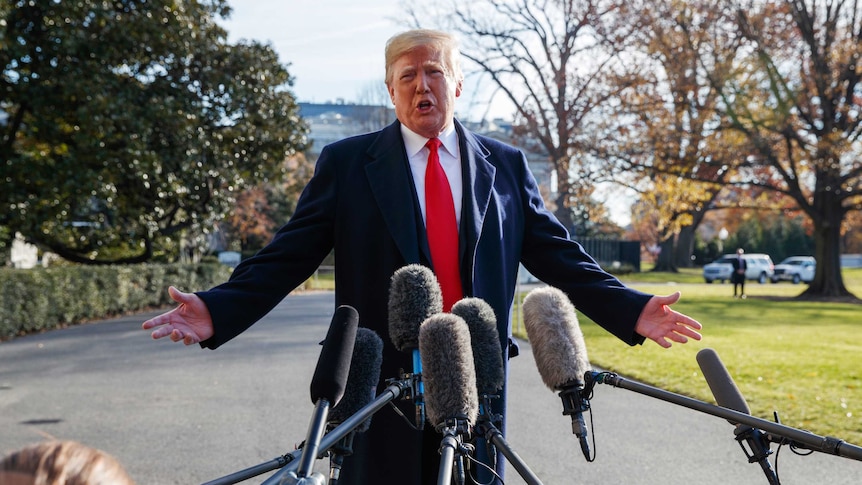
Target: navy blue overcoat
{"points": [[361, 202]]}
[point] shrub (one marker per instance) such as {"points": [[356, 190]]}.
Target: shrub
{"points": [[46, 298]]}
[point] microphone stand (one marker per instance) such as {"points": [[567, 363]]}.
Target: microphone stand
{"points": [[775, 432], [452, 446], [492, 434], [494, 438], [288, 463], [759, 450], [396, 389]]}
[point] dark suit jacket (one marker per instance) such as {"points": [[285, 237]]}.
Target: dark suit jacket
{"points": [[738, 264], [361, 201]]}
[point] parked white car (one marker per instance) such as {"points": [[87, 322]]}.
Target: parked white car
{"points": [[759, 267], [795, 269]]}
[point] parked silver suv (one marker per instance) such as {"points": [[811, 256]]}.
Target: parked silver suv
{"points": [[759, 267], [795, 269]]}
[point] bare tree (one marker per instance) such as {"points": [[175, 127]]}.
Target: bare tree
{"points": [[553, 61]]}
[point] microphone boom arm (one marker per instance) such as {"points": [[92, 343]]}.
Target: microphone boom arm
{"points": [[798, 437], [289, 462]]}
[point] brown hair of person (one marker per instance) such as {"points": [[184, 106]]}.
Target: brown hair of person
{"points": [[62, 463]]}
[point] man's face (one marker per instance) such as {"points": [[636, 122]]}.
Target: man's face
{"points": [[423, 89]]}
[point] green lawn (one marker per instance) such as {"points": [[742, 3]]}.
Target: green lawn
{"points": [[801, 359]]}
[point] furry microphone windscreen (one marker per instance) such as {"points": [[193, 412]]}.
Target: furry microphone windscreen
{"points": [[448, 370], [362, 380], [485, 341], [556, 338], [414, 295]]}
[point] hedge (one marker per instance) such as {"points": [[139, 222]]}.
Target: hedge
{"points": [[42, 299]]}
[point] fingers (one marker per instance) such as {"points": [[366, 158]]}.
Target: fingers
{"points": [[161, 332], [670, 299], [177, 295]]}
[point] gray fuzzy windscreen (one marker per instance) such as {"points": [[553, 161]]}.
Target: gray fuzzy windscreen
{"points": [[485, 342], [362, 380], [556, 338], [447, 369], [414, 295]]}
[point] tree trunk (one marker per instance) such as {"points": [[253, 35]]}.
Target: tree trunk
{"points": [[665, 261], [828, 281], [564, 215], [684, 247]]}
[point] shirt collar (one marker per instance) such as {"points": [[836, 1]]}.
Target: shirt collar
{"points": [[414, 142]]}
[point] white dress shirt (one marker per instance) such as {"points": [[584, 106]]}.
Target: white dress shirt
{"points": [[450, 159]]}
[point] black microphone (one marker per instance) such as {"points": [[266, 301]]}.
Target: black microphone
{"points": [[727, 395], [560, 353], [329, 380], [360, 390], [362, 379], [450, 377], [414, 295]]}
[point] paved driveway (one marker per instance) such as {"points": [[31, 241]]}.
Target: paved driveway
{"points": [[177, 415]]}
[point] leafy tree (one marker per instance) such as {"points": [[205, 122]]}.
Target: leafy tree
{"points": [[129, 125], [852, 233], [796, 100], [260, 210], [664, 134]]}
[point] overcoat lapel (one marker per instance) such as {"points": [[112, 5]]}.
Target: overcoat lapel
{"points": [[390, 180], [478, 185], [392, 184]]}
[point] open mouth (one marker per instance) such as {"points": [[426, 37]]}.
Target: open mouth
{"points": [[425, 105]]}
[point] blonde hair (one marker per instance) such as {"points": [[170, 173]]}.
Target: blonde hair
{"points": [[441, 42], [62, 463]]}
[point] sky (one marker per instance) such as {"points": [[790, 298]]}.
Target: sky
{"points": [[334, 47]]}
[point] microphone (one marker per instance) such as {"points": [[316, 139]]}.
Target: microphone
{"points": [[485, 343], [362, 379], [727, 395], [560, 353], [449, 372], [451, 399], [329, 380], [360, 390], [488, 362], [414, 295]]}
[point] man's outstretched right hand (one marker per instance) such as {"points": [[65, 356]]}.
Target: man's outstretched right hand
{"points": [[190, 322]]}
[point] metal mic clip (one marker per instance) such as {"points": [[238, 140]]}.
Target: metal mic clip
{"points": [[575, 403], [415, 392]]}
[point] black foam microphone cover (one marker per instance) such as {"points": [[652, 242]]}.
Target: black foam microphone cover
{"points": [[333, 365], [448, 370], [414, 295], [485, 342], [362, 380], [556, 338], [726, 394]]}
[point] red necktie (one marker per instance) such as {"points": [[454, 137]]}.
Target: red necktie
{"points": [[441, 227]]}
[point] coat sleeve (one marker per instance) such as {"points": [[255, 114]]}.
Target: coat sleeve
{"points": [[259, 283], [550, 255]]}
